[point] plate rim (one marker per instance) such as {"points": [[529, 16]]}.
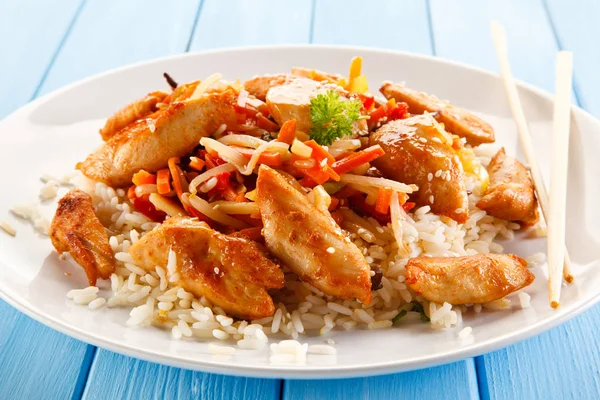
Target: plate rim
{"points": [[313, 371]]}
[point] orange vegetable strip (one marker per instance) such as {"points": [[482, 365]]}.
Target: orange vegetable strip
{"points": [[163, 181], [357, 159], [270, 158], [143, 177], [287, 133], [196, 163], [131, 192], [265, 123], [319, 153], [384, 198]]}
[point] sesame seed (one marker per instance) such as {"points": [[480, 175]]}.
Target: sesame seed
{"points": [[429, 176], [217, 270], [438, 173], [431, 199], [330, 250]]}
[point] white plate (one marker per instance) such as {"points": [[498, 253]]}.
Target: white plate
{"points": [[54, 132]]}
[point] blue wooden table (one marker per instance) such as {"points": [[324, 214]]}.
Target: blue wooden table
{"points": [[47, 44]]}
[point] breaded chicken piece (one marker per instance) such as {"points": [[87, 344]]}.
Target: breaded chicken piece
{"points": [[315, 74], [260, 85], [455, 119], [467, 280], [510, 194], [131, 113], [77, 230], [309, 241], [415, 150], [149, 143], [232, 273]]}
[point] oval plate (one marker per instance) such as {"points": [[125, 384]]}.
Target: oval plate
{"points": [[49, 135]]}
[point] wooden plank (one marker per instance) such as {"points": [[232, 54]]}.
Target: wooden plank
{"points": [[564, 362], [115, 376], [227, 23], [576, 27], [113, 33], [453, 381], [403, 26], [410, 33], [35, 361], [28, 42]]}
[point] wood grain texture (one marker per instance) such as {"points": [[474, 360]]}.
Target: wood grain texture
{"points": [[400, 25], [35, 361], [28, 42], [228, 23], [576, 27], [453, 381], [114, 376], [113, 33], [564, 362]]}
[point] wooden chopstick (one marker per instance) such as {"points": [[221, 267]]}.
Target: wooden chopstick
{"points": [[499, 38], [559, 167]]}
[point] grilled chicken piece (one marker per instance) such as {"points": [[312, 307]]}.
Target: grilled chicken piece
{"points": [[76, 229], [309, 241], [415, 150], [315, 75], [455, 119], [510, 194], [130, 113], [467, 280], [149, 143], [232, 273], [292, 101], [260, 85]]}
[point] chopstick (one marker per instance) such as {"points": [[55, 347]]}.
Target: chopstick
{"points": [[558, 184], [499, 38]]}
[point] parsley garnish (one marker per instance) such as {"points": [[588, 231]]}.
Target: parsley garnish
{"points": [[416, 307], [332, 117], [400, 315]]}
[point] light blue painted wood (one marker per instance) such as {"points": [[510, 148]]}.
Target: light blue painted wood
{"points": [[405, 26], [229, 23], [112, 33], [115, 376], [462, 32], [576, 25], [563, 363], [28, 41], [35, 361], [445, 382], [386, 24]]}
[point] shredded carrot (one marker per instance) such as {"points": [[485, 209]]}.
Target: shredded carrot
{"points": [[357, 159], [180, 183], [131, 192], [270, 158], [163, 181], [409, 205], [384, 198], [334, 203], [319, 153], [143, 177], [287, 133], [251, 233], [265, 123], [196, 163]]}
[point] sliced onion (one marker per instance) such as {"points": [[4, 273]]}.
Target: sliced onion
{"points": [[205, 176], [145, 189], [225, 152], [377, 182], [242, 140], [201, 88], [320, 198], [162, 203], [346, 144], [205, 208], [397, 214], [236, 207]]}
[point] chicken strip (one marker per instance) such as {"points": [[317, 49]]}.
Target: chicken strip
{"points": [[455, 119], [232, 273], [467, 280], [510, 194], [417, 152], [309, 241], [315, 75], [260, 85], [149, 143], [131, 113], [77, 230], [292, 101]]}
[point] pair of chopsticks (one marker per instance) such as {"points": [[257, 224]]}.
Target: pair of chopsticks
{"points": [[553, 206]]}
